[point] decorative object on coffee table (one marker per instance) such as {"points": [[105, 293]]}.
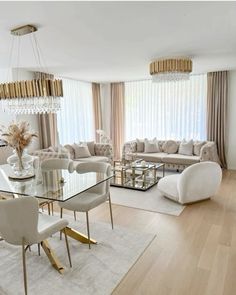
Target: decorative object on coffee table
{"points": [[18, 136]]}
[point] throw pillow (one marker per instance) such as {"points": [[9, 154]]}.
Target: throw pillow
{"points": [[70, 149], [170, 147], [151, 146], [91, 146], [81, 151], [197, 147], [140, 145], [186, 147]]}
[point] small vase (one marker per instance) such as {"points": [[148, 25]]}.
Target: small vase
{"points": [[20, 163]]}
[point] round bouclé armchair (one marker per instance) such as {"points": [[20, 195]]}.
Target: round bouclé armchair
{"points": [[197, 182]]}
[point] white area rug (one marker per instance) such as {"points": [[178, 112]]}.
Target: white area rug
{"points": [[95, 271], [150, 200]]}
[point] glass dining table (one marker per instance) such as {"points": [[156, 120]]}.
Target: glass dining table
{"points": [[52, 185]]}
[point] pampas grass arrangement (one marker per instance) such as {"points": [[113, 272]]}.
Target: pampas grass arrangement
{"points": [[18, 136]]}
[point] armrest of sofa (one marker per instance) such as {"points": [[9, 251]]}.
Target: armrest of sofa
{"points": [[209, 152], [128, 148], [104, 149], [42, 155]]}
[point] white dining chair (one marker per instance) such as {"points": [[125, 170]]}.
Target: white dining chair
{"points": [[49, 164], [21, 224], [55, 164], [93, 197]]}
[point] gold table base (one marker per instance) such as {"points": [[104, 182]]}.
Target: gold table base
{"points": [[52, 257], [78, 236]]}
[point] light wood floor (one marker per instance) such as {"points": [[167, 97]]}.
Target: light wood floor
{"points": [[194, 253]]}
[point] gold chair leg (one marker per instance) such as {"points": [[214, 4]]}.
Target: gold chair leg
{"points": [[75, 215], [52, 208], [109, 199], [49, 211], [24, 266], [87, 221], [39, 249], [61, 213], [67, 247]]}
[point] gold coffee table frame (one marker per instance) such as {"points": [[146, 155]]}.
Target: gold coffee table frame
{"points": [[128, 175]]}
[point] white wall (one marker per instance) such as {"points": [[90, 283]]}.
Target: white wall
{"points": [[231, 124]]}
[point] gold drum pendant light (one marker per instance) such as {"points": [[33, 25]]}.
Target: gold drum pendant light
{"points": [[171, 69], [40, 95]]}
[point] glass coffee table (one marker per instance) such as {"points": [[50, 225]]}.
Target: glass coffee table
{"points": [[135, 175]]}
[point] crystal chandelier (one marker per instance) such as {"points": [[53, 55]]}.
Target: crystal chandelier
{"points": [[37, 96], [171, 69]]}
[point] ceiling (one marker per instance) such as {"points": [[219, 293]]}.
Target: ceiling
{"points": [[115, 41]]}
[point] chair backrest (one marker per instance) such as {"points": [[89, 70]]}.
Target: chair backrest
{"points": [[199, 181], [99, 167], [49, 164], [18, 220]]}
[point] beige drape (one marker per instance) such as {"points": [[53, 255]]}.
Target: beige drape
{"points": [[117, 117], [97, 108], [217, 92], [48, 133]]}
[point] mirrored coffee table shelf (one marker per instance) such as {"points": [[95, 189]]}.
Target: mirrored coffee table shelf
{"points": [[136, 176]]}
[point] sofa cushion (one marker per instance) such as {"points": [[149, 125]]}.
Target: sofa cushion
{"points": [[197, 147], [170, 147], [81, 151], [90, 145], [140, 145], [151, 146], [92, 159], [180, 159], [186, 148], [168, 186], [71, 150], [152, 157]]}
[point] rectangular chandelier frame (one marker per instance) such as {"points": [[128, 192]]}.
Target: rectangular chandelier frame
{"points": [[31, 88]]}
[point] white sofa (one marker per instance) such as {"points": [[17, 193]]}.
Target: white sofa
{"points": [[102, 153], [197, 182], [207, 152]]}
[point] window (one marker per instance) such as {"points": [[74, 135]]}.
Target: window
{"points": [[167, 110], [76, 119]]}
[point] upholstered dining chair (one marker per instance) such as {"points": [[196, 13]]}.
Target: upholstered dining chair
{"points": [[49, 164], [93, 197], [66, 164], [21, 224], [197, 182]]}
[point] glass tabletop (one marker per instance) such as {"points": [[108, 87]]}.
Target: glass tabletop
{"points": [[58, 185]]}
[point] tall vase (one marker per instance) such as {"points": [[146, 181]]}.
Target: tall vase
{"points": [[21, 162]]}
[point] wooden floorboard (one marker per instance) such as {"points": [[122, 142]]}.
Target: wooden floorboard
{"points": [[193, 254]]}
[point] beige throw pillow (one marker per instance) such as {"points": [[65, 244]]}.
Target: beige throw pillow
{"points": [[197, 147], [151, 146], [90, 145], [140, 145], [81, 151], [71, 150], [186, 148], [170, 147]]}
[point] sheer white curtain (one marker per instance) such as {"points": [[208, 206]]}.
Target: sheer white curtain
{"points": [[167, 110], [76, 119]]}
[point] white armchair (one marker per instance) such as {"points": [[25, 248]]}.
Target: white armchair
{"points": [[197, 182]]}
